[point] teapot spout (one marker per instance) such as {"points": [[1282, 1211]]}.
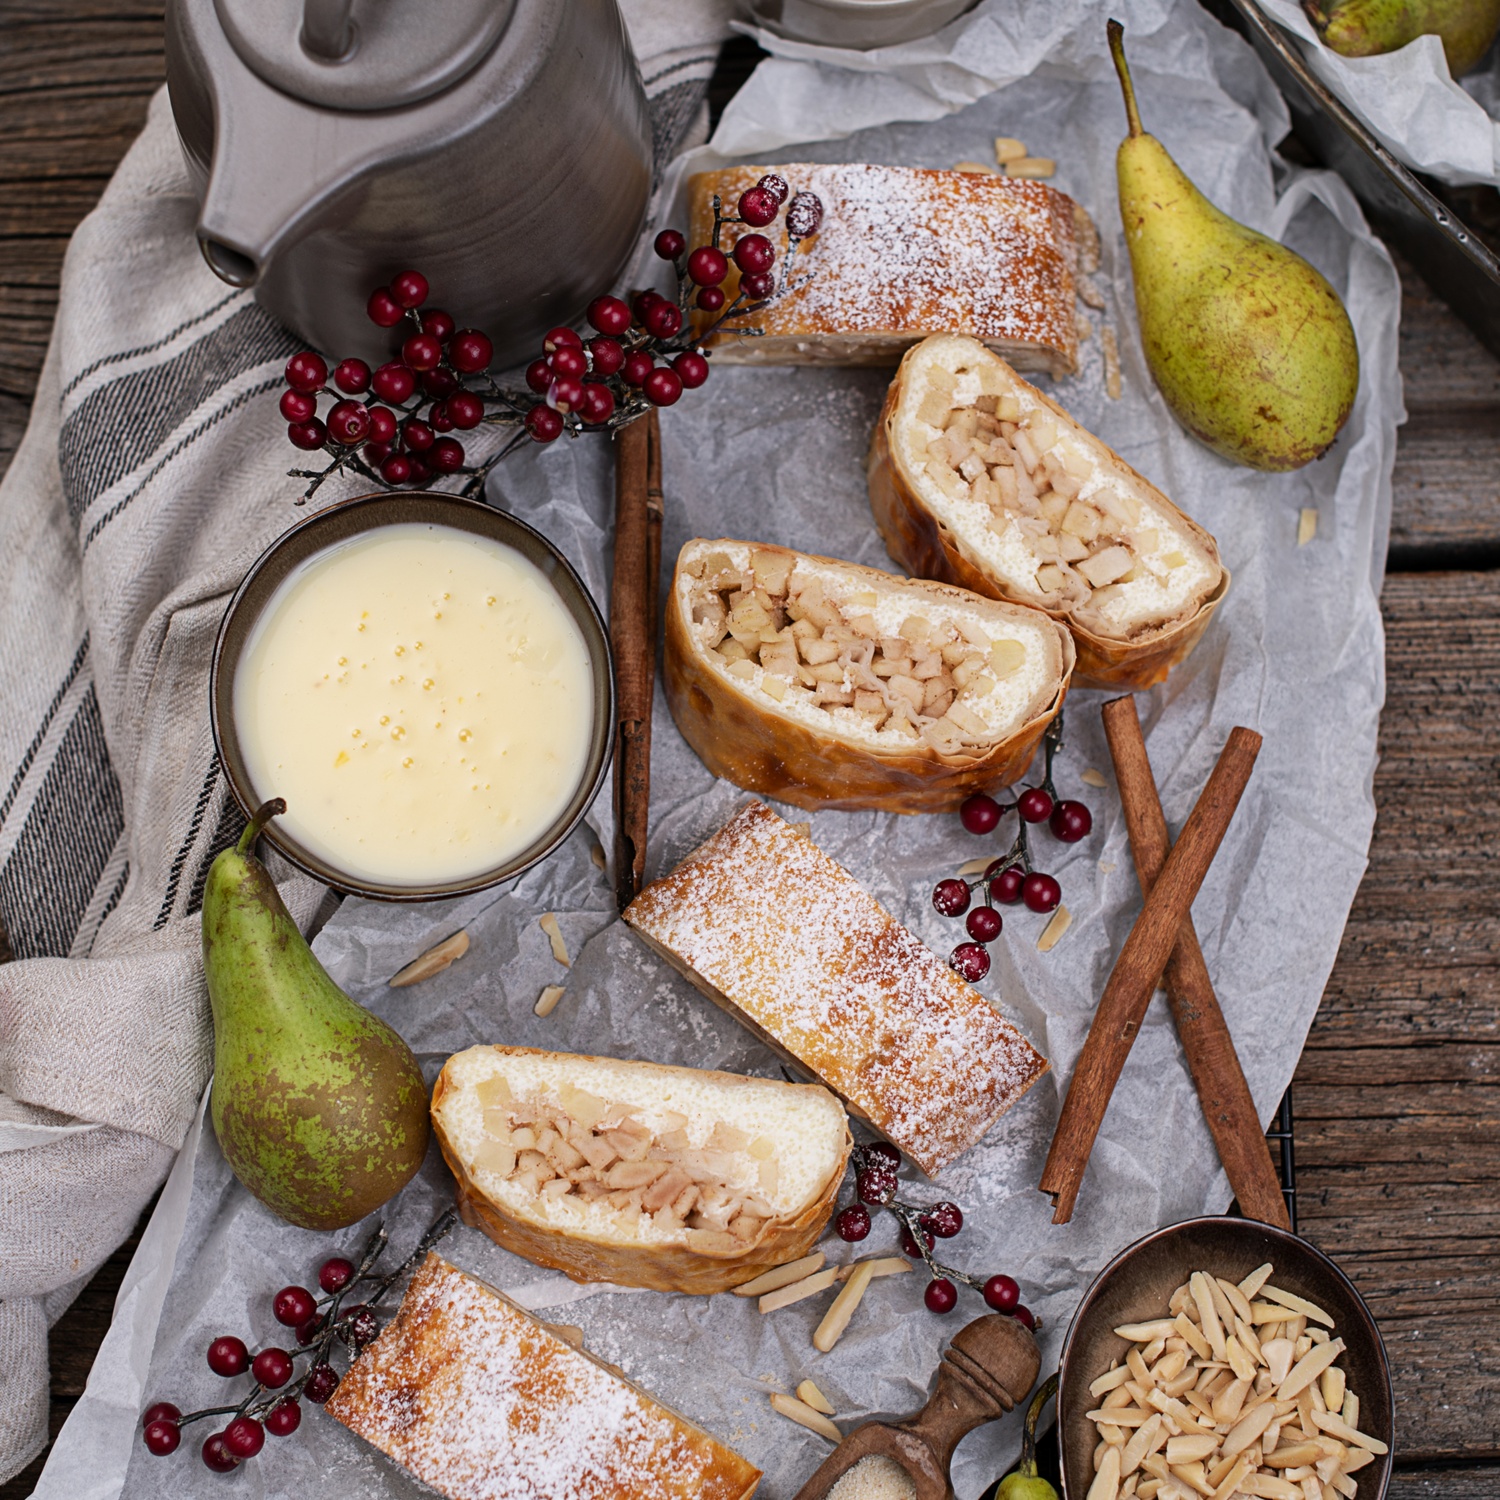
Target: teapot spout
{"points": [[228, 262]]}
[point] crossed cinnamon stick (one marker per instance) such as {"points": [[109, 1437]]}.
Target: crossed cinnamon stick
{"points": [[1164, 946]]}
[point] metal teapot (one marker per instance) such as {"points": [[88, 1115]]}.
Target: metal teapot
{"points": [[501, 147]]}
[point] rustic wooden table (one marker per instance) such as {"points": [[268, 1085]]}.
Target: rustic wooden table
{"points": [[1398, 1093]]}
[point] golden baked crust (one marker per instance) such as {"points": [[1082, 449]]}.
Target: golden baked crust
{"points": [[702, 1262], [785, 940], [482, 1402], [904, 252], [781, 750], [926, 545]]}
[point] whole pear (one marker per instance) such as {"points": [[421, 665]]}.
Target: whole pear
{"points": [[319, 1107], [1249, 345], [1023, 1482], [1367, 28]]}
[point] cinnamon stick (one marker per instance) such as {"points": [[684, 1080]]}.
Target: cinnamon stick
{"points": [[1211, 1058], [632, 608], [1122, 1007]]}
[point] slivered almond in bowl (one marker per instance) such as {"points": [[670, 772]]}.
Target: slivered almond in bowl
{"points": [[978, 478], [825, 684], [671, 1178]]}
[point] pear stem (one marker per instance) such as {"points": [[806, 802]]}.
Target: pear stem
{"points": [[1045, 1392], [1117, 51], [256, 826]]}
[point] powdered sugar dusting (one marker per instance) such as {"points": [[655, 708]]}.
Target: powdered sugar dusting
{"points": [[794, 945], [481, 1402]]}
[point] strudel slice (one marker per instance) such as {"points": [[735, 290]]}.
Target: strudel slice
{"points": [[786, 940], [825, 684], [480, 1401], [903, 252], [677, 1179], [978, 478]]}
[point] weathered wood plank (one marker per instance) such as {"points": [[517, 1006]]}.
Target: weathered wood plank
{"points": [[1476, 1482]]}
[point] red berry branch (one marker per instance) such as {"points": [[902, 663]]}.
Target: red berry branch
{"points": [[875, 1169], [392, 425], [272, 1404], [1011, 878]]}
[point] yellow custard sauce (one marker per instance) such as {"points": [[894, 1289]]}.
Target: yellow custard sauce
{"points": [[423, 701]]}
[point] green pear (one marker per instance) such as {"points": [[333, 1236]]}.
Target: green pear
{"points": [[1249, 345], [1023, 1482], [1367, 28], [319, 1108]]}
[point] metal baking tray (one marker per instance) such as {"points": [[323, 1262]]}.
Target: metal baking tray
{"points": [[1417, 216]]}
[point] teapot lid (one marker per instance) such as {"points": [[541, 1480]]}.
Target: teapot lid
{"points": [[362, 54]]}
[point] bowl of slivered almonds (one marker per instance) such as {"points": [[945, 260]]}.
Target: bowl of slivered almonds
{"points": [[1221, 1357]]}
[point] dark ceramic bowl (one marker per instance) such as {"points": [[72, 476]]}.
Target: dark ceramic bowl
{"points": [[340, 523], [1135, 1287]]}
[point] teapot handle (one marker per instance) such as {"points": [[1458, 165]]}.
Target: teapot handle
{"points": [[327, 29]]}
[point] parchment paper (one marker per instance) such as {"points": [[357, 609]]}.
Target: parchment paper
{"points": [[777, 454]]}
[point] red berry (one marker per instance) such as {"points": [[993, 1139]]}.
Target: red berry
{"points": [[883, 1151], [420, 473], [979, 813], [754, 253], [662, 386], [307, 435], [951, 896], [162, 1411], [853, 1223], [438, 323], [538, 376], [322, 1382], [1070, 821], [284, 1420], [566, 360], [1002, 1293], [439, 418], [663, 319], [465, 409], [804, 215], [383, 309], [565, 393], [377, 453], [692, 369], [562, 338], [161, 1437], [421, 352], [395, 470], [349, 422], [669, 244], [1041, 893], [707, 266], [1025, 1317], [272, 1367], [359, 1325], [943, 1219], [416, 437], [543, 424], [410, 289], [941, 1295], [335, 1274], [1006, 885], [1034, 804], [382, 424], [598, 403], [909, 1245], [777, 185], [393, 382], [306, 371], [308, 1331], [711, 298], [641, 301], [244, 1437], [293, 1305], [352, 376], [447, 455], [228, 1356], [607, 355], [876, 1183], [637, 367], [440, 383], [758, 207], [971, 961], [297, 406], [217, 1455], [759, 286], [608, 315], [470, 350], [984, 924]]}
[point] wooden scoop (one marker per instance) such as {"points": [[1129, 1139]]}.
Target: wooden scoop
{"points": [[990, 1366]]}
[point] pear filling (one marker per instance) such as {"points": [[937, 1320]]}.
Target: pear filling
{"points": [[589, 1150], [1087, 539], [782, 629]]}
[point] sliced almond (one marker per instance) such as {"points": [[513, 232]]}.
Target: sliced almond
{"points": [[548, 924], [1031, 166], [799, 1291], [433, 961], [836, 1319], [809, 1393], [1062, 919], [546, 1002], [1009, 149], [804, 1416], [1297, 1304], [1307, 525]]}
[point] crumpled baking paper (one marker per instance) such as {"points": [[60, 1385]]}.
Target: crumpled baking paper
{"points": [[777, 455], [1447, 127]]}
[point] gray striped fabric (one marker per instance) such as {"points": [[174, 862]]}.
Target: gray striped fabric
{"points": [[153, 472]]}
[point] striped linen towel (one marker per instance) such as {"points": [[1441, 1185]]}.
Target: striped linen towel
{"points": [[151, 475]]}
